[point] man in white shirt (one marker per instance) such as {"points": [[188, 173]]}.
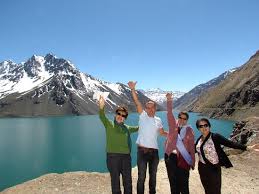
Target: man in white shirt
{"points": [[150, 126]]}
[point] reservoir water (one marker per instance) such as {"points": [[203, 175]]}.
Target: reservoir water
{"points": [[31, 147]]}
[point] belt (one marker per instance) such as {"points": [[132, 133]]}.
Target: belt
{"points": [[147, 150]]}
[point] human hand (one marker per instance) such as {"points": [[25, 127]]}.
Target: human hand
{"points": [[101, 102], [132, 85], [254, 147]]}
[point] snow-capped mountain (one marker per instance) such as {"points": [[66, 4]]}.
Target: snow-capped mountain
{"points": [[54, 86], [159, 95]]}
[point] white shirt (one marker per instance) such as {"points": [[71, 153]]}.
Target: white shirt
{"points": [[148, 130]]}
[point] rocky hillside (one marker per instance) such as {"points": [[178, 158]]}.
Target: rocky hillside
{"points": [[235, 97], [187, 101], [45, 86]]}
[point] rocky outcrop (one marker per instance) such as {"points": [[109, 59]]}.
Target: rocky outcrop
{"points": [[245, 97], [241, 133]]}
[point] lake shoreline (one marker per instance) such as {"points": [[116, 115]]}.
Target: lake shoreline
{"points": [[239, 179]]}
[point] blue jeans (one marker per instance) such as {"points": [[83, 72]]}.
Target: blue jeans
{"points": [[150, 157], [120, 164]]}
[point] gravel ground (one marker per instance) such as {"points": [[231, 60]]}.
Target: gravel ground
{"points": [[243, 178]]}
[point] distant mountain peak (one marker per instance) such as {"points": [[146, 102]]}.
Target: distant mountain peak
{"points": [[37, 58], [154, 90], [6, 62], [159, 95], [50, 57]]}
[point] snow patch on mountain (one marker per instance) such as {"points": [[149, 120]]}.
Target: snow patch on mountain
{"points": [[90, 83], [159, 95], [115, 87], [13, 80]]}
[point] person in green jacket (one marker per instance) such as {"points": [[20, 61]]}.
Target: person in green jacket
{"points": [[118, 148]]}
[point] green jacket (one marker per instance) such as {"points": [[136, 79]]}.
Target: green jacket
{"points": [[116, 137]]}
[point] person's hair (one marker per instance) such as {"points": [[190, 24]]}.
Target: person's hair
{"points": [[184, 113], [151, 102], [204, 120], [122, 109]]}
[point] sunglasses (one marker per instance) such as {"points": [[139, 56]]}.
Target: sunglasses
{"points": [[179, 117], [203, 126], [123, 115]]}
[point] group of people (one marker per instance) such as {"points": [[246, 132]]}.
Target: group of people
{"points": [[180, 148]]}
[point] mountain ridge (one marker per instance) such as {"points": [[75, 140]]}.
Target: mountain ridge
{"points": [[235, 97], [47, 86], [186, 101]]}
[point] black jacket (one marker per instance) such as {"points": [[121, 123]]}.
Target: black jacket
{"points": [[219, 140]]}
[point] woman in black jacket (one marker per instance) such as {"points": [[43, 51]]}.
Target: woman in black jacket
{"points": [[212, 156]]}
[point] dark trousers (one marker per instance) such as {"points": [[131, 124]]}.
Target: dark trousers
{"points": [[150, 157], [210, 178], [120, 164], [178, 177]]}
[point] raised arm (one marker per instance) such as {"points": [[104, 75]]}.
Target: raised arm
{"points": [[170, 116], [102, 116], [101, 102], [132, 86]]}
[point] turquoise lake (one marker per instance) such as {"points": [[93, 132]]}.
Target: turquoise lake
{"points": [[31, 147]]}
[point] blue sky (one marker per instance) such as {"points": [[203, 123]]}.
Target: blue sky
{"points": [[170, 44]]}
